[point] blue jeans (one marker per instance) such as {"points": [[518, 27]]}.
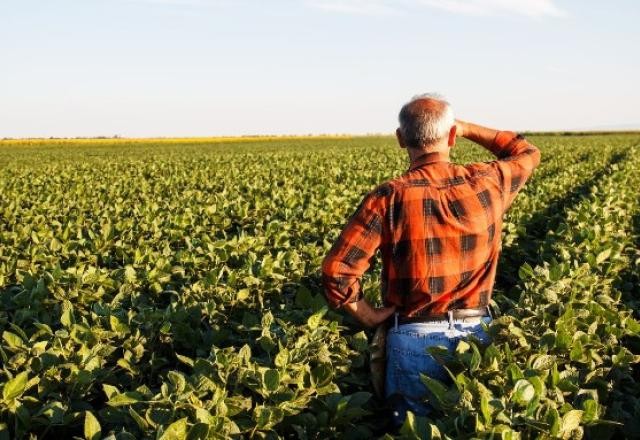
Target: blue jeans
{"points": [[407, 357]]}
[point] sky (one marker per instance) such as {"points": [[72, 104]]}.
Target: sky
{"points": [[137, 68]]}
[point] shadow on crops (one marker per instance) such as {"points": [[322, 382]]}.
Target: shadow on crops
{"points": [[629, 279], [623, 404], [628, 283], [302, 298], [537, 245]]}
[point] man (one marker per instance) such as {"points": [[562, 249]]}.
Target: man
{"points": [[438, 229]]}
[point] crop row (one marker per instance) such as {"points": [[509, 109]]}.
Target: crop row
{"points": [[153, 291]]}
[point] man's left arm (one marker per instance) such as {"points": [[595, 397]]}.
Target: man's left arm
{"points": [[517, 158], [349, 259]]}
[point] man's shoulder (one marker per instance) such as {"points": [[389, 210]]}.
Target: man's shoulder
{"points": [[456, 174], [385, 189], [479, 169], [460, 173]]}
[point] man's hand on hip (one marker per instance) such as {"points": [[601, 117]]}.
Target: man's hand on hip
{"points": [[368, 315]]}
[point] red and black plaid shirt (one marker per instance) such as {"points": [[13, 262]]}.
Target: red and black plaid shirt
{"points": [[438, 228]]}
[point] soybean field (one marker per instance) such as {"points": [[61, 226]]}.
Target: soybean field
{"points": [[170, 289]]}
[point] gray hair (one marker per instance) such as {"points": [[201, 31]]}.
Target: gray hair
{"points": [[423, 127]]}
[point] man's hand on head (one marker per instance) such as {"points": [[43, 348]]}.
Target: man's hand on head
{"points": [[460, 128], [483, 136], [367, 315]]}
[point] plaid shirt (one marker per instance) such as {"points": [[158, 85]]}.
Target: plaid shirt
{"points": [[438, 228]]}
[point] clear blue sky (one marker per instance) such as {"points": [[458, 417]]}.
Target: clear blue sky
{"points": [[233, 67]]}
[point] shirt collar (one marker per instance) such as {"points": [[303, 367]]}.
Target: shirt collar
{"points": [[427, 158]]}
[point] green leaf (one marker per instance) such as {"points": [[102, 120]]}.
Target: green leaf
{"points": [[462, 347], [200, 431], [243, 294], [476, 358], [110, 390], [157, 415], [129, 274], [321, 376], [603, 256], [418, 428], [577, 352], [359, 341], [359, 398], [523, 392], [13, 340], [542, 361], [185, 360], [571, 420], [19, 331], [514, 372], [555, 272], [267, 320], [140, 421], [92, 429], [67, 319], [177, 380], [538, 385], [176, 431], [304, 298], [204, 416], [438, 389], [271, 380], [525, 271], [266, 416], [590, 408], [13, 388], [553, 419], [4, 432], [314, 320], [485, 409], [54, 411], [245, 354], [118, 326], [128, 398], [282, 358]]}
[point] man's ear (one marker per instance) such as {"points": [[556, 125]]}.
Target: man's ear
{"points": [[452, 136], [400, 138]]}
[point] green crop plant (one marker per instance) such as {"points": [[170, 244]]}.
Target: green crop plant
{"points": [[169, 289]]}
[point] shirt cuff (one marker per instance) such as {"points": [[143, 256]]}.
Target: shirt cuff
{"points": [[503, 144], [337, 294]]}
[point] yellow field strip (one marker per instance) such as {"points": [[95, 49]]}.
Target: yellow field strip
{"points": [[177, 140]]}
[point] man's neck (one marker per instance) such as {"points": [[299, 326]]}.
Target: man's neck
{"points": [[415, 154]]}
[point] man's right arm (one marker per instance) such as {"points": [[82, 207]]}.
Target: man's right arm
{"points": [[349, 259], [517, 158]]}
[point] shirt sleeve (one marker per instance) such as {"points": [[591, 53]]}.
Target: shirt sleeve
{"points": [[351, 254], [517, 158]]}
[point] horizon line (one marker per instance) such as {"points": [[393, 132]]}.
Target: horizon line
{"points": [[268, 136]]}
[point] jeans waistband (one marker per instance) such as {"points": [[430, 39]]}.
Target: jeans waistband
{"points": [[449, 319]]}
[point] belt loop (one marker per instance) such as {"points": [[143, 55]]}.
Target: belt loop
{"points": [[450, 317], [395, 316]]}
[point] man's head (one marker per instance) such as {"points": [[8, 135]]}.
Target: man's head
{"points": [[426, 124]]}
